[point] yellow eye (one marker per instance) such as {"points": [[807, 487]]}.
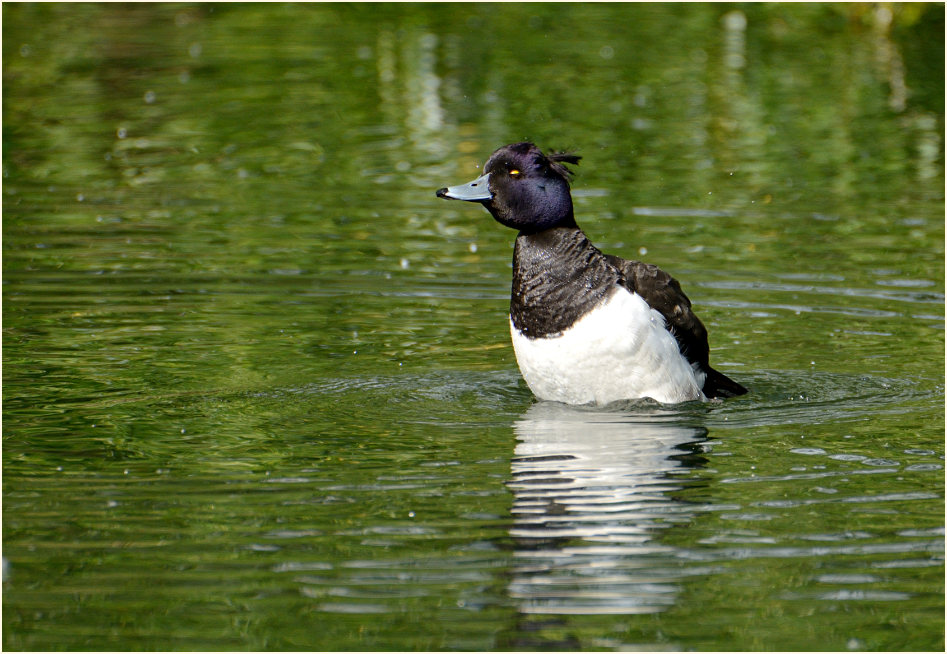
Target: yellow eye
{"points": [[514, 172]]}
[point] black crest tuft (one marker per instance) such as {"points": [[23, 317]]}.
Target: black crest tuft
{"points": [[557, 159]]}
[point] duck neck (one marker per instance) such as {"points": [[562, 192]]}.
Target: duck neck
{"points": [[567, 223]]}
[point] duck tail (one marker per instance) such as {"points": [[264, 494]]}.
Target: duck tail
{"points": [[718, 384]]}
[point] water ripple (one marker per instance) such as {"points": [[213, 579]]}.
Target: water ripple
{"points": [[788, 397]]}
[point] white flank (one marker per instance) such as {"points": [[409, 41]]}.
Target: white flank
{"points": [[621, 350]]}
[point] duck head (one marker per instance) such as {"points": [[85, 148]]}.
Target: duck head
{"points": [[522, 188]]}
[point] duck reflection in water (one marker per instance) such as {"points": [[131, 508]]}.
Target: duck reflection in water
{"points": [[592, 491]]}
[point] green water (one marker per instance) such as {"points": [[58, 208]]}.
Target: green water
{"points": [[258, 391]]}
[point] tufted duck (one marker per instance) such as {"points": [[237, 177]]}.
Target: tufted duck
{"points": [[587, 327]]}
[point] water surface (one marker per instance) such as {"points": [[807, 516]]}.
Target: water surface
{"points": [[258, 390]]}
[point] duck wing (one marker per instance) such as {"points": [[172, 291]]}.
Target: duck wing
{"points": [[663, 293]]}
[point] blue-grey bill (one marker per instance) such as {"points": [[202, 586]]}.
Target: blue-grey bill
{"points": [[474, 191]]}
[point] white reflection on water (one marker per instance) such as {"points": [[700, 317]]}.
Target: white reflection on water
{"points": [[591, 491]]}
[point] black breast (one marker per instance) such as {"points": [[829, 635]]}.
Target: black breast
{"points": [[558, 276]]}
